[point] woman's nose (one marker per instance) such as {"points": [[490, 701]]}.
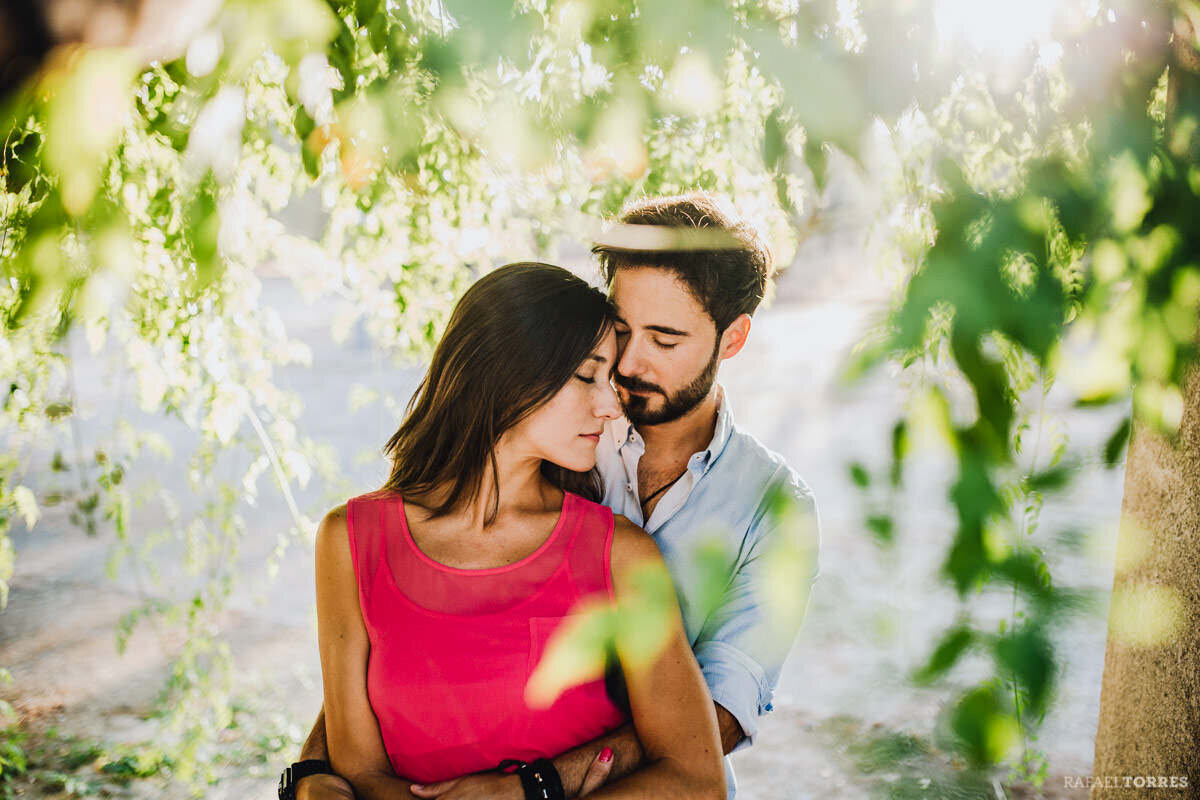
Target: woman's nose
{"points": [[608, 406]]}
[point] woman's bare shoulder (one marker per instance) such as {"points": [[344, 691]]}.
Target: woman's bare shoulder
{"points": [[332, 533], [631, 544]]}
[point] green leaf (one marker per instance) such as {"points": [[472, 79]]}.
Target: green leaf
{"points": [[1050, 479], [775, 152], [1115, 446], [1028, 571], [859, 475], [985, 730], [311, 162], [899, 452], [366, 11], [21, 165], [774, 142], [377, 33], [816, 156], [1028, 657], [950, 648], [303, 123], [203, 227], [882, 527]]}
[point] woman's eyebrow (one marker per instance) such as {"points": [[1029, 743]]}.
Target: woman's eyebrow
{"points": [[599, 359]]}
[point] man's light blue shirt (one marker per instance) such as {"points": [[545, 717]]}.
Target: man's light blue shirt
{"points": [[719, 518]]}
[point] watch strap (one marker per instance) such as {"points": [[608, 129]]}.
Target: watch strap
{"points": [[540, 779], [300, 769]]}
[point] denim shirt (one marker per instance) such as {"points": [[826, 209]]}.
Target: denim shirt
{"points": [[721, 505]]}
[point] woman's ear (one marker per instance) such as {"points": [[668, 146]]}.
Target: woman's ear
{"points": [[734, 337]]}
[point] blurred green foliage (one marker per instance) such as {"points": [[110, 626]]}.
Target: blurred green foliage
{"points": [[141, 199], [1083, 268]]}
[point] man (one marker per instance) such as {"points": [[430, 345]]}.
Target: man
{"points": [[685, 278]]}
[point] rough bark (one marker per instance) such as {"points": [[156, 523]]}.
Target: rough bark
{"points": [[1150, 696]]}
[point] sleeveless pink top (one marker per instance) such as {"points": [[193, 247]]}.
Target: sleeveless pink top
{"points": [[452, 649]]}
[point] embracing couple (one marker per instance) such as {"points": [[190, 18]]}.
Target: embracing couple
{"points": [[561, 440]]}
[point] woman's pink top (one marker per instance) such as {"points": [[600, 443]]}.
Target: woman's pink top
{"points": [[452, 649]]}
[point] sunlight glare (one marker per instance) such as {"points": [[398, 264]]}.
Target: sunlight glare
{"points": [[999, 30]]}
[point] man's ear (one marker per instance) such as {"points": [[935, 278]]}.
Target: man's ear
{"points": [[735, 336]]}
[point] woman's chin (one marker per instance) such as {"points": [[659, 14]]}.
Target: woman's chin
{"points": [[577, 463]]}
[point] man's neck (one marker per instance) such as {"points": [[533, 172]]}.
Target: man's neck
{"points": [[679, 438]]}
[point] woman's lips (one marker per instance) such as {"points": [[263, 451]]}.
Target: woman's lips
{"points": [[595, 437]]}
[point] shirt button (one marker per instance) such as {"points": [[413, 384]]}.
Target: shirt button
{"points": [[769, 707]]}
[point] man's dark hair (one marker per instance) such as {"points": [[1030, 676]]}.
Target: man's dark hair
{"points": [[728, 281]]}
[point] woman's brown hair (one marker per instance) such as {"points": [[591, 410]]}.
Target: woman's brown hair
{"points": [[514, 339]]}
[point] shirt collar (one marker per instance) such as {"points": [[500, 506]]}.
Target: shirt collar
{"points": [[624, 433], [723, 430]]}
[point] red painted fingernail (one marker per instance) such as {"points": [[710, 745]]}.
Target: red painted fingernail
{"points": [[606, 755]]}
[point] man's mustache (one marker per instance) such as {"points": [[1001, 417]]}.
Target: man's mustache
{"points": [[636, 384]]}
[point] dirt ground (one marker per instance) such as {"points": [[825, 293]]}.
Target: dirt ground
{"points": [[872, 615]]}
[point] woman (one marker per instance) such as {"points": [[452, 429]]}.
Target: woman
{"points": [[436, 594]]}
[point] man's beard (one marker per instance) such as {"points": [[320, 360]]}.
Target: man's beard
{"points": [[637, 408]]}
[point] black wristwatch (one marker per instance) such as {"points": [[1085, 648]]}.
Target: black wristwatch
{"points": [[539, 779], [301, 769]]}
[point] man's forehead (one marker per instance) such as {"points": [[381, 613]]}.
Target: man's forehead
{"points": [[653, 295]]}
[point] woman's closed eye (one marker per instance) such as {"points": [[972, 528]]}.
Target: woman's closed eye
{"points": [[585, 378]]}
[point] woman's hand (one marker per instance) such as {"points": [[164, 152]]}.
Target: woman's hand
{"points": [[597, 772]]}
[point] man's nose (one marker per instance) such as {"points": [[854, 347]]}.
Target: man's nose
{"points": [[630, 362]]}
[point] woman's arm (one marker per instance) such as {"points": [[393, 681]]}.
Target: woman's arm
{"points": [[672, 710], [355, 744]]}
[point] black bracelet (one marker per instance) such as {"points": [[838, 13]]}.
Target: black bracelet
{"points": [[540, 779]]}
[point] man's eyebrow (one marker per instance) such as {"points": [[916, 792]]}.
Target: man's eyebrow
{"points": [[658, 328]]}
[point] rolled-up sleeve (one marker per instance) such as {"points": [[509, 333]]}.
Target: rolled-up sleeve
{"points": [[746, 638]]}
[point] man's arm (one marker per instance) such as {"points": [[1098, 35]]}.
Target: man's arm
{"points": [[627, 756], [731, 729], [746, 637], [315, 745], [627, 751], [321, 787]]}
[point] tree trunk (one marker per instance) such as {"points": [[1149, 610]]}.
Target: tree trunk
{"points": [[1150, 698]]}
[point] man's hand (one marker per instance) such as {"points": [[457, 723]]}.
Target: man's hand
{"points": [[478, 786], [500, 786], [324, 787]]}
